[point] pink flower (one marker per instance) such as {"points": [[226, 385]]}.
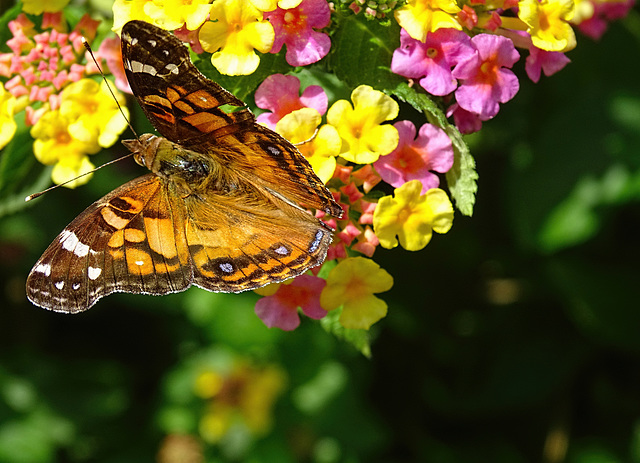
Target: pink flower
{"points": [[548, 61], [485, 78], [111, 52], [603, 13], [432, 60], [465, 121], [415, 158], [281, 95], [295, 28], [281, 308]]}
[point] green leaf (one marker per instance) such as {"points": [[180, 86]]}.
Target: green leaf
{"points": [[462, 177], [359, 46], [357, 338]]}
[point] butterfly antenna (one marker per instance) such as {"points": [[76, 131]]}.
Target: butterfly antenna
{"points": [[35, 195], [88, 47]]}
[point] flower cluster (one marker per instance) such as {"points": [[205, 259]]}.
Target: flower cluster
{"points": [[239, 395], [71, 116], [350, 65]]}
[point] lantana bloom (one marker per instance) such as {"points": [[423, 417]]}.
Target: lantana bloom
{"points": [[319, 148], [54, 144], [280, 94], [548, 23], [43, 6], [128, 10], [295, 28], [485, 78], [236, 30], [93, 113], [432, 60], [173, 14], [281, 308], [419, 17], [352, 284], [8, 124], [548, 61], [364, 139], [415, 158], [412, 216], [242, 395], [270, 5]]}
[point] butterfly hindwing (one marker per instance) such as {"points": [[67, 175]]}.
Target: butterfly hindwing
{"points": [[125, 241]]}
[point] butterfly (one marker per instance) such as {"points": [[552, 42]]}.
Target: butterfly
{"points": [[219, 210]]}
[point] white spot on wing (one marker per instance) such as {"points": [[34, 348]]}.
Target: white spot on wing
{"points": [[152, 42], [172, 68], [45, 269], [226, 267], [139, 262], [93, 272], [70, 242], [59, 284], [75, 286], [282, 250]]}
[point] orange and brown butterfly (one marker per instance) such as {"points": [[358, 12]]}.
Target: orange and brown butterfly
{"points": [[219, 210]]}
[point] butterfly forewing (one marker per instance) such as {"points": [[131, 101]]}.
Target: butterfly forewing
{"points": [[187, 111], [219, 209]]}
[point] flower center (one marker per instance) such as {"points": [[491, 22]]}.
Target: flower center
{"points": [[432, 53]]}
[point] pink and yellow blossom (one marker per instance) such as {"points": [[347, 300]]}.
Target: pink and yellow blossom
{"points": [[411, 216], [280, 94], [364, 138], [38, 7], [281, 308]]}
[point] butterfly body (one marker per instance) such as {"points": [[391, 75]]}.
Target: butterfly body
{"points": [[219, 210]]}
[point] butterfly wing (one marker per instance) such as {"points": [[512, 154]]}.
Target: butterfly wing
{"points": [[236, 246], [131, 240], [144, 238], [184, 106]]}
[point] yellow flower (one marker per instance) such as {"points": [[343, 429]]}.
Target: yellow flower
{"points": [[173, 14], [364, 139], [412, 217], [548, 23], [54, 144], [270, 5], [92, 112], [352, 284], [128, 10], [7, 122], [43, 6], [419, 17], [236, 30], [319, 148], [244, 395]]}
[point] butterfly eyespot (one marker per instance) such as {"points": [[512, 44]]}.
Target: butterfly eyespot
{"points": [[226, 267], [315, 244]]}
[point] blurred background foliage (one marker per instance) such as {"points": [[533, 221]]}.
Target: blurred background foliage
{"points": [[513, 338]]}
